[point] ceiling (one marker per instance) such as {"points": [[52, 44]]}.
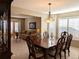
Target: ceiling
{"points": [[41, 6]]}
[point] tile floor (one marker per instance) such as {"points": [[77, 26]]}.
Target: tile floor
{"points": [[20, 50]]}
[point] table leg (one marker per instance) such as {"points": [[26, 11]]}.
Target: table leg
{"points": [[46, 54]]}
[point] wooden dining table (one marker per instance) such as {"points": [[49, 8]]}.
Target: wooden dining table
{"points": [[45, 44]]}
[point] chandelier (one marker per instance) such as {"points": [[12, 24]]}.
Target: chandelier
{"points": [[49, 15]]}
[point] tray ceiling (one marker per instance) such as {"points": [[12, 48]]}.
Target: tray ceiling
{"points": [[41, 6]]}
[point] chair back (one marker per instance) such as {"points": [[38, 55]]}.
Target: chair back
{"points": [[69, 39], [33, 50], [45, 35], [64, 34], [30, 45], [60, 44]]}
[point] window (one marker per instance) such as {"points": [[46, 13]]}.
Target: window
{"points": [[74, 27], [71, 25], [16, 27], [52, 27], [11, 27], [62, 25]]}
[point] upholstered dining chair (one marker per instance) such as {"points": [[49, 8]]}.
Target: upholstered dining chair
{"points": [[32, 49]]}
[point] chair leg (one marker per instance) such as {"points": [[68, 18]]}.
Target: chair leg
{"points": [[34, 57], [65, 54], [29, 57], [60, 55], [55, 57], [68, 52]]}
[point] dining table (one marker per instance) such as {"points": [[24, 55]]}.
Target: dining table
{"points": [[46, 44]]}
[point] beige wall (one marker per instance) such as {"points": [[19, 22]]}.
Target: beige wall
{"points": [[75, 43], [22, 25]]}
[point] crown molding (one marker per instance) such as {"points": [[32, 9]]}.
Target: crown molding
{"points": [[21, 11]]}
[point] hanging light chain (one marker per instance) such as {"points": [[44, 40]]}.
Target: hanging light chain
{"points": [[49, 9]]}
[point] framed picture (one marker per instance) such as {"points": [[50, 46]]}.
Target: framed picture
{"points": [[32, 25]]}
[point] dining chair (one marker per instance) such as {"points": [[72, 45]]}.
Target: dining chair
{"points": [[67, 45], [32, 50], [45, 35], [56, 50]]}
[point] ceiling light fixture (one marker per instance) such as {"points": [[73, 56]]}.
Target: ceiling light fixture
{"points": [[49, 15], [49, 19]]}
